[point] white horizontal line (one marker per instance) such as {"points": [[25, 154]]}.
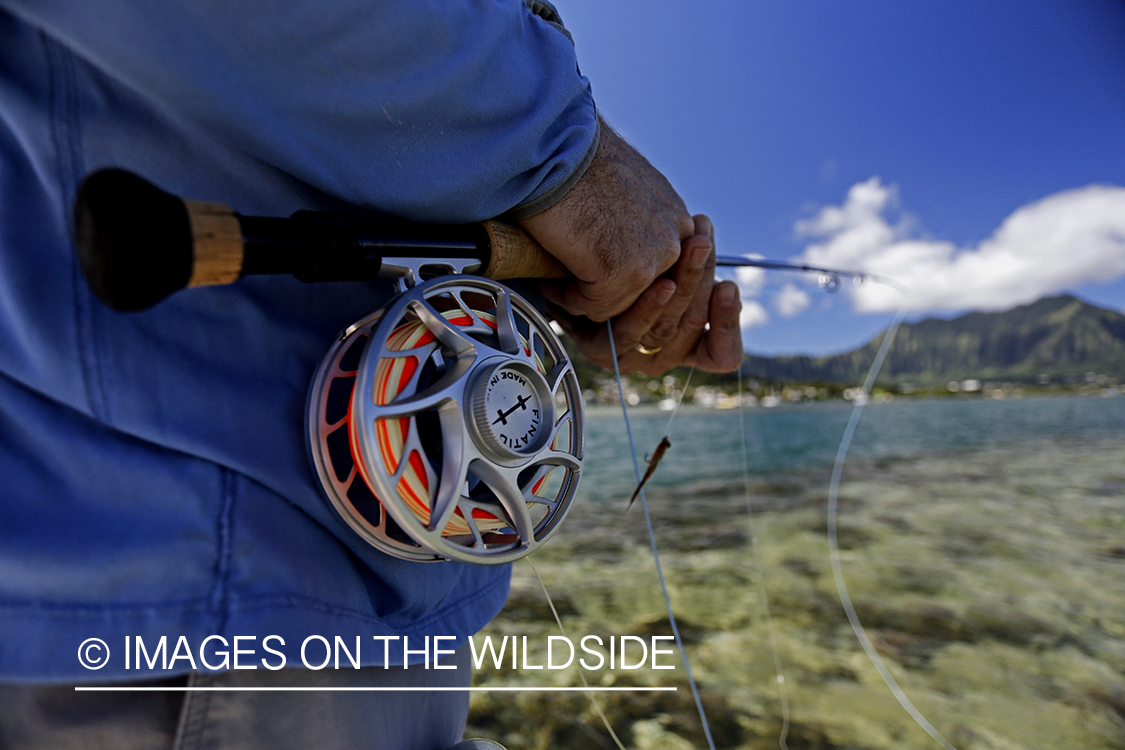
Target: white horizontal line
{"points": [[214, 689]]}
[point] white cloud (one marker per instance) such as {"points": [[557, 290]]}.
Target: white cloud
{"points": [[791, 301], [751, 282], [1045, 247], [751, 279], [753, 314]]}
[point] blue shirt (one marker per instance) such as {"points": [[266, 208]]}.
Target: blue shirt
{"points": [[153, 472]]}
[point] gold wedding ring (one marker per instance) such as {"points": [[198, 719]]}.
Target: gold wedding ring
{"points": [[648, 351]]}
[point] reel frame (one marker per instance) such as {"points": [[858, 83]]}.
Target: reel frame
{"points": [[474, 364]]}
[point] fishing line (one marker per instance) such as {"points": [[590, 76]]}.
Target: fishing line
{"points": [[680, 400], [581, 676], [833, 540], [760, 569], [652, 540], [833, 518]]}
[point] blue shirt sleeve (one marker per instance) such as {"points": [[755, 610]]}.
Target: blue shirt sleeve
{"points": [[444, 111]]}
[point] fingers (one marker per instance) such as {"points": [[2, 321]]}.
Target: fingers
{"points": [[593, 338], [698, 255], [655, 319], [674, 334], [695, 273], [690, 327], [685, 318], [671, 322], [602, 300], [720, 348]]}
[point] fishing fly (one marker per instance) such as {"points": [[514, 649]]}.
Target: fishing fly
{"points": [[657, 454]]}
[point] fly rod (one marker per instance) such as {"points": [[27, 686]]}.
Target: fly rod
{"points": [[138, 244]]}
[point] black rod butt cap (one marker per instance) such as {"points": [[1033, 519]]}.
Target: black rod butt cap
{"points": [[133, 239]]}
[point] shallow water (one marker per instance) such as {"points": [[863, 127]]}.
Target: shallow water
{"points": [[983, 544], [805, 436]]}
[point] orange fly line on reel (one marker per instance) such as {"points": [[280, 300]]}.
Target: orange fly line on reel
{"points": [[391, 378]]}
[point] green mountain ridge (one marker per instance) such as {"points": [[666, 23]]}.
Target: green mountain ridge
{"points": [[1062, 338]]}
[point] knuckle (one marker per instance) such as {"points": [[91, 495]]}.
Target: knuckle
{"points": [[634, 277], [662, 330], [695, 319], [685, 222]]}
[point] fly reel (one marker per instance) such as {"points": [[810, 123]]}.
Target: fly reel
{"points": [[449, 425]]}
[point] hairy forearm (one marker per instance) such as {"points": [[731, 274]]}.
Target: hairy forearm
{"points": [[617, 229]]}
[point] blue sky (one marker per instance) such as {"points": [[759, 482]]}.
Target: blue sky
{"points": [[897, 136]]}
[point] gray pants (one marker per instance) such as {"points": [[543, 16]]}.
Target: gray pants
{"points": [[58, 717]]}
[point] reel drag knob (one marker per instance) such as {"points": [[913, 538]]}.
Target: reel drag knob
{"points": [[511, 406]]}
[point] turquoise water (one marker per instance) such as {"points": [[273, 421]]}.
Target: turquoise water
{"points": [[805, 437]]}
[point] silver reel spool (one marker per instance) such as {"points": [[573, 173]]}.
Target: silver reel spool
{"points": [[449, 425]]}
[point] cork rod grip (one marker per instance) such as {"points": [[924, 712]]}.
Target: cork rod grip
{"points": [[216, 243], [516, 255]]}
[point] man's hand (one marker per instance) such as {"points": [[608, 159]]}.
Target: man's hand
{"points": [[637, 254], [617, 230], [687, 318]]}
